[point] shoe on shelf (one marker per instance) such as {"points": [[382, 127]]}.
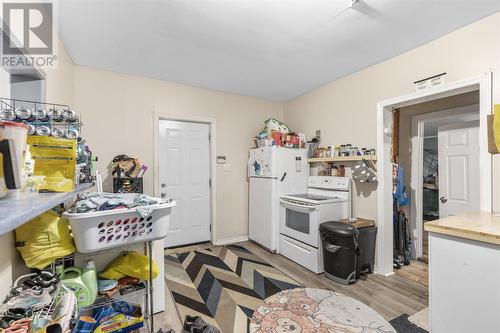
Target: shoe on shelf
{"points": [[43, 280], [33, 299], [64, 309], [19, 326], [12, 315]]}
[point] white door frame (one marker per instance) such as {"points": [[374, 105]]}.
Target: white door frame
{"points": [[384, 171], [213, 158], [418, 123]]}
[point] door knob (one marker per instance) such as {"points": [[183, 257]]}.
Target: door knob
{"points": [[443, 199]]}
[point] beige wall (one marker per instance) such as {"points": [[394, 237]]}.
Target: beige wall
{"points": [[59, 81], [345, 109], [117, 113]]}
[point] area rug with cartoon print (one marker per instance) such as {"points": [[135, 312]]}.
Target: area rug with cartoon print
{"points": [[236, 291], [308, 310]]}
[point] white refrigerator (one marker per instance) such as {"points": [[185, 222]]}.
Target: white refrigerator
{"points": [[273, 172]]}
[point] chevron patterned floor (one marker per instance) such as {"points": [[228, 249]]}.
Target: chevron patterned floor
{"points": [[223, 284]]}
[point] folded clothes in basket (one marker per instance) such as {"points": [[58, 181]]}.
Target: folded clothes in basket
{"points": [[100, 201]]}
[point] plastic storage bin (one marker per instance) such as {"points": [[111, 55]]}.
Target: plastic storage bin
{"points": [[97, 231]]}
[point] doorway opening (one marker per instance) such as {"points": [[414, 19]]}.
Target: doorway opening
{"points": [[444, 164], [480, 85], [186, 173], [438, 150]]}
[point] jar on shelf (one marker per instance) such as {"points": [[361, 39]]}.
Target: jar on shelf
{"points": [[337, 151], [342, 150], [341, 171], [349, 149]]}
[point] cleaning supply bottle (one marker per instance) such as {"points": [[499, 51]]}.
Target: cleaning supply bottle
{"points": [[29, 163], [89, 278], [72, 278]]}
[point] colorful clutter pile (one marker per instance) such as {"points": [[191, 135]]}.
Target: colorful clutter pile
{"points": [[74, 299], [23, 310], [124, 166], [276, 133], [117, 317]]}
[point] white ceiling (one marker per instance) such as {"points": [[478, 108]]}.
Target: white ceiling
{"points": [[273, 49]]}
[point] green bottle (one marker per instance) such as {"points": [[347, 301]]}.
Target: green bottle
{"points": [[89, 278], [72, 278]]}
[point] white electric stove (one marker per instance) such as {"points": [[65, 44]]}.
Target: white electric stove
{"points": [[327, 199]]}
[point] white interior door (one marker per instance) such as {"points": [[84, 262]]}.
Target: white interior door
{"points": [[458, 158], [184, 151]]}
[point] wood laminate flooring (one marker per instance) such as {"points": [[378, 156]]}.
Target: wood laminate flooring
{"points": [[390, 296], [417, 271]]}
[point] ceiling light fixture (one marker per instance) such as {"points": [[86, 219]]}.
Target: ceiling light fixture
{"points": [[352, 3]]}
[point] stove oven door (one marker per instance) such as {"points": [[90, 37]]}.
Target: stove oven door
{"points": [[300, 220]]}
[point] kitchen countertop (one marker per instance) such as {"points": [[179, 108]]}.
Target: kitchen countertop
{"points": [[481, 226]]}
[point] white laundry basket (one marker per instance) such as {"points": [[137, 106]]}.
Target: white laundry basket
{"points": [[97, 231]]}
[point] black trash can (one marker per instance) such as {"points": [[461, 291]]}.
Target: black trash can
{"points": [[348, 251], [340, 251], [366, 246]]}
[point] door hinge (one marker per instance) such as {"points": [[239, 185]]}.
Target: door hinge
{"points": [[209, 137], [209, 182], [210, 228]]}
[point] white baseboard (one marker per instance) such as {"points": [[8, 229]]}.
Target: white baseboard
{"points": [[231, 240], [375, 271]]}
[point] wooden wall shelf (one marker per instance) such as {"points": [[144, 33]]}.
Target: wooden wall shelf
{"points": [[342, 159]]}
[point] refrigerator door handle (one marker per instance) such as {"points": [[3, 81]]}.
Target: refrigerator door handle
{"points": [[248, 168], [283, 177]]}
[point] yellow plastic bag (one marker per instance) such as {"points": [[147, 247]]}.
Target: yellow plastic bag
{"points": [[496, 126], [55, 158], [129, 264], [44, 239]]}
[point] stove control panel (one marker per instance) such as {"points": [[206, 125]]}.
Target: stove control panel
{"points": [[329, 182]]}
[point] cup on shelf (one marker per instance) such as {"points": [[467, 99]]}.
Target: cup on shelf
{"points": [[39, 114], [7, 114], [54, 114], [23, 113]]}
